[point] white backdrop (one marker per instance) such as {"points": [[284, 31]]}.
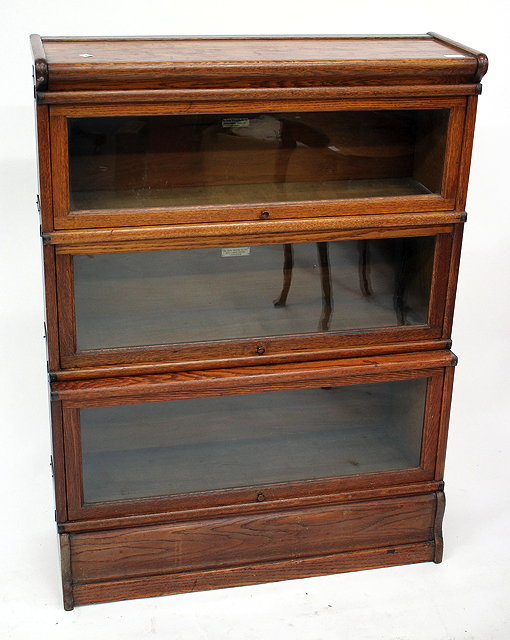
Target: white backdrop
{"points": [[468, 596]]}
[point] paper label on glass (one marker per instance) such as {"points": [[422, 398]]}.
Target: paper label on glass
{"points": [[235, 122], [229, 252]]}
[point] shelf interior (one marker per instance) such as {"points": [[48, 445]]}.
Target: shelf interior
{"points": [[213, 443], [123, 163], [167, 297], [232, 194]]}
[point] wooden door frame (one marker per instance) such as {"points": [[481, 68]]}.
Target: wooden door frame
{"points": [[63, 219], [168, 387], [199, 355]]}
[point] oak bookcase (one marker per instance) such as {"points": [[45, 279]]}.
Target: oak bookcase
{"points": [[251, 248]]}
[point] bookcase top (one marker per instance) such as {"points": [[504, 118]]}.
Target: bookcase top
{"points": [[113, 63]]}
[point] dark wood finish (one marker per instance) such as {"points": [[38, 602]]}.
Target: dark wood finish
{"points": [[452, 153], [444, 420], [40, 63], [302, 356], [251, 213], [51, 308], [197, 63], [188, 236], [189, 515], [111, 216], [44, 202], [249, 106], [60, 166], [45, 198], [190, 581], [312, 540], [180, 542], [212, 239], [467, 148], [73, 461], [240, 379], [67, 575], [438, 526], [269, 231], [259, 379], [481, 58], [58, 462], [451, 290], [207, 95], [65, 302], [297, 347], [276, 349], [439, 280], [111, 555]]}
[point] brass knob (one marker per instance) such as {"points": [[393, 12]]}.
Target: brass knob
{"points": [[264, 215], [260, 497], [261, 349]]}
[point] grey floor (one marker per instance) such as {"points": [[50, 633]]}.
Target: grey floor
{"points": [[233, 441], [127, 299]]}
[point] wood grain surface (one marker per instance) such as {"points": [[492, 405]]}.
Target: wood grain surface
{"points": [[143, 587], [131, 389], [204, 512], [245, 539], [384, 504], [230, 202], [156, 63]]}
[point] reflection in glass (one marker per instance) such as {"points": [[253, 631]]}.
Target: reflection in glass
{"points": [[204, 444], [162, 297], [214, 159]]}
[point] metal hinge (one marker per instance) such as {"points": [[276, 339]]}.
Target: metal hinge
{"points": [[38, 205], [51, 467]]}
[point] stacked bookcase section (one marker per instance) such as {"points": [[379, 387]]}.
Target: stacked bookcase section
{"points": [[251, 248]]}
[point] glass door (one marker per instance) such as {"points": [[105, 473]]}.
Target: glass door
{"points": [[196, 167], [266, 299], [207, 444], [143, 162], [277, 432], [158, 297]]}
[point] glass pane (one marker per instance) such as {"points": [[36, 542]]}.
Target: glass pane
{"points": [[217, 159], [203, 444], [165, 297]]}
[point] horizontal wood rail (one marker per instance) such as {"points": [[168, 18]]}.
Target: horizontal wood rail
{"points": [[200, 95], [225, 230], [179, 385]]}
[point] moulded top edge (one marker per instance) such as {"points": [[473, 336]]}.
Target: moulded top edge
{"points": [[250, 61]]}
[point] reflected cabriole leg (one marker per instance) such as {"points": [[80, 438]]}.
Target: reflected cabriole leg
{"points": [[363, 268], [327, 301], [288, 264], [401, 280]]}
